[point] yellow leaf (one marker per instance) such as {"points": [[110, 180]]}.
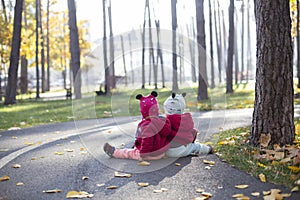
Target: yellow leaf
{"points": [[177, 164], [85, 178], [58, 153], [209, 162], [199, 190], [262, 177], [266, 192], [297, 129], [294, 168], [19, 184], [143, 184], [261, 165], [52, 191], [237, 195], [80, 194], [206, 194], [112, 187], [223, 143], [69, 150], [4, 178], [144, 163], [255, 194], [16, 165], [119, 174], [241, 186]]}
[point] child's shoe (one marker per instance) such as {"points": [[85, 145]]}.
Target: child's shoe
{"points": [[109, 150], [211, 149]]}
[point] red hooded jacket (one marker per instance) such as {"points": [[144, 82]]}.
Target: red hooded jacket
{"points": [[183, 131], [151, 136]]}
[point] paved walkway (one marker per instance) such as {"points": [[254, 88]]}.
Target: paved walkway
{"points": [[58, 156]]}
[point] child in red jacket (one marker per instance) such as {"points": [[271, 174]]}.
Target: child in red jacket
{"points": [[183, 133], [151, 136]]}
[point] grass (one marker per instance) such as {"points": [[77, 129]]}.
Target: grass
{"points": [[32, 112], [231, 146]]}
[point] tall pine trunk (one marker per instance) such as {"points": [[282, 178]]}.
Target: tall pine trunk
{"points": [[229, 70], [202, 73], [174, 44], [11, 89], [274, 103], [74, 49]]}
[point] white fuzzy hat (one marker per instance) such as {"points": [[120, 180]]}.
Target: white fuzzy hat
{"points": [[175, 104]]}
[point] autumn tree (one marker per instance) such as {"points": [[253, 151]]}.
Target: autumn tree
{"points": [[230, 51], [11, 89], [274, 104], [74, 49], [202, 73]]}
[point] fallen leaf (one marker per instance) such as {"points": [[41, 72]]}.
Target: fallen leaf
{"points": [[143, 184], [265, 139], [177, 164], [122, 175], [200, 198], [19, 184], [79, 195], [85, 178], [209, 162], [241, 186], [262, 178], [14, 137], [160, 190], [4, 178], [34, 158], [112, 187], [295, 189], [206, 194], [69, 150], [266, 192], [16, 165], [199, 190], [100, 185], [294, 169], [207, 167], [237, 195], [285, 160], [58, 153], [82, 149], [255, 194], [297, 182], [144, 163], [279, 155], [52, 191]]}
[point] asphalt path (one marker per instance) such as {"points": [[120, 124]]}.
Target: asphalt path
{"points": [[69, 156]]}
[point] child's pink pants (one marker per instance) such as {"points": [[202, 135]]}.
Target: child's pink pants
{"points": [[134, 154]]}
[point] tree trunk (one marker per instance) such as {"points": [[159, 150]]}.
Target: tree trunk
{"points": [[211, 47], [191, 34], [111, 48], [242, 43], [74, 49], [159, 53], [218, 44], [11, 89], [24, 80], [236, 51], [174, 44], [274, 103], [124, 61], [131, 62], [229, 70], [202, 74], [48, 47], [37, 71], [42, 49], [143, 45]]}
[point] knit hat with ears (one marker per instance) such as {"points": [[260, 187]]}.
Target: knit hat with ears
{"points": [[148, 104], [175, 104]]}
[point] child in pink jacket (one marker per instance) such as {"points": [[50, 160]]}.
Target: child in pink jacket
{"points": [[151, 136], [183, 133]]}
